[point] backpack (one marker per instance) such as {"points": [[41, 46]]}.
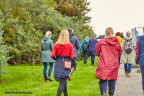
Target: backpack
{"points": [[128, 46], [85, 47]]}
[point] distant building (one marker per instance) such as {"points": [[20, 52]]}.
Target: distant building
{"points": [[100, 37]]}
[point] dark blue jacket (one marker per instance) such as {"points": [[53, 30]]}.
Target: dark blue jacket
{"points": [[75, 42], [92, 47]]}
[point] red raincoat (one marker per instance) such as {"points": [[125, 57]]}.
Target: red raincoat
{"points": [[109, 51]]}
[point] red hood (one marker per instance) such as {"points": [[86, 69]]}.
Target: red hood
{"points": [[111, 41]]}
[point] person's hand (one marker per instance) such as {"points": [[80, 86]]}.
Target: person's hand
{"points": [[78, 52]]}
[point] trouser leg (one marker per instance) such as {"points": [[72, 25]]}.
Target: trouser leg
{"points": [[125, 67], [142, 73], [129, 68], [73, 63], [103, 85], [85, 57], [45, 68], [65, 90], [92, 59], [62, 86], [51, 67], [111, 84]]}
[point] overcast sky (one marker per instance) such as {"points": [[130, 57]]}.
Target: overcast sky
{"points": [[121, 15]]}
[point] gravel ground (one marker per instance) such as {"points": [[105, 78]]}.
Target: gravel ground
{"points": [[128, 86]]}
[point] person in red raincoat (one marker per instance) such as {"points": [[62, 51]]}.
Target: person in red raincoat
{"points": [[109, 51]]}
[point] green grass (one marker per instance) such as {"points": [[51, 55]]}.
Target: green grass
{"points": [[27, 78]]}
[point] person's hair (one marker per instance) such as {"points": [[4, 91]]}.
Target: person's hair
{"points": [[109, 31], [93, 37], [118, 34], [48, 34], [86, 38], [128, 33], [63, 37], [70, 30], [121, 33]]}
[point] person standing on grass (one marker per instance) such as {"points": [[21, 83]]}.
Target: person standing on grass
{"points": [[128, 57], [84, 47], [46, 47], [140, 56], [92, 48], [76, 45], [62, 48], [108, 50]]}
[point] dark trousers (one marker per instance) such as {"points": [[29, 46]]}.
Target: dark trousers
{"points": [[85, 54], [92, 59], [127, 67], [119, 61], [103, 86], [62, 87], [142, 73], [45, 68], [73, 63]]}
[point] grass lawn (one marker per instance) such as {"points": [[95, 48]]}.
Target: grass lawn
{"points": [[27, 78]]}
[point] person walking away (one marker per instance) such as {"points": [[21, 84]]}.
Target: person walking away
{"points": [[108, 50], [128, 53], [118, 34], [62, 49], [46, 47], [76, 45], [92, 48], [140, 56], [122, 36], [84, 47]]}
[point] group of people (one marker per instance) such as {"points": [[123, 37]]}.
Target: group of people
{"points": [[111, 52]]}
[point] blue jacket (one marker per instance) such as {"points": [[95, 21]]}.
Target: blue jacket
{"points": [[85, 41], [75, 42], [122, 36], [140, 50], [92, 47]]}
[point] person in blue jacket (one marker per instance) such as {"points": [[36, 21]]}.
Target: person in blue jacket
{"points": [[140, 56], [121, 35], [84, 47], [92, 48], [76, 45]]}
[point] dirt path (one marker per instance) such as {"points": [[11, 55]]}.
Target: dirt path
{"points": [[128, 86]]}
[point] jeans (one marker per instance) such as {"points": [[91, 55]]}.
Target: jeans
{"points": [[142, 73], [92, 59], [127, 67], [103, 86], [45, 68]]}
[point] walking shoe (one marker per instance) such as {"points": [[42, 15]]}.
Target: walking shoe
{"points": [[103, 94], [69, 78], [128, 75], [45, 78], [49, 77], [125, 73]]}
